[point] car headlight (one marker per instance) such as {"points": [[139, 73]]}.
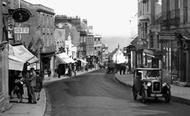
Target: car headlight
{"points": [[149, 84]]}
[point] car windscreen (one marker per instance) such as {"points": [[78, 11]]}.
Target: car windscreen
{"points": [[152, 73]]}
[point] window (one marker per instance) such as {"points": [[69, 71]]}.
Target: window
{"points": [[185, 11], [147, 5], [146, 27], [159, 2], [177, 4]]}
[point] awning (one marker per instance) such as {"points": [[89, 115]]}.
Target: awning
{"points": [[36, 66], [18, 55], [67, 60], [33, 60], [21, 52], [83, 61], [64, 58], [15, 63]]}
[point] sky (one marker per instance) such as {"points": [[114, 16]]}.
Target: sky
{"points": [[109, 18]]}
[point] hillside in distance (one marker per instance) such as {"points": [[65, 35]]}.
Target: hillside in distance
{"points": [[113, 42]]}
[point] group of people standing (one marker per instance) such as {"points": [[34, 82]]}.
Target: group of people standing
{"points": [[115, 68], [31, 80]]}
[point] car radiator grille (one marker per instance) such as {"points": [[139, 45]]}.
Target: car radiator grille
{"points": [[156, 86]]}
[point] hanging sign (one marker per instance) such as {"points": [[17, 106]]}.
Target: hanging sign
{"points": [[21, 15]]}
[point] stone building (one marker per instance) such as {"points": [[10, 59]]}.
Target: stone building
{"points": [[164, 36], [45, 36], [39, 35], [148, 52], [90, 44], [82, 45], [175, 40], [71, 25], [82, 51], [98, 47]]}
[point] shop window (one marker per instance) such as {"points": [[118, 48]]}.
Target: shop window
{"points": [[185, 11]]}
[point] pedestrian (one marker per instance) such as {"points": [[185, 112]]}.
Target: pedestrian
{"points": [[49, 72], [124, 69], [18, 89], [120, 67], [70, 70], [28, 85], [38, 86], [11, 83], [74, 69], [32, 84]]}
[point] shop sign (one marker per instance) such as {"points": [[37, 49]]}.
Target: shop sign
{"points": [[21, 30]]}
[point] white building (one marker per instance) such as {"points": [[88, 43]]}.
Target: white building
{"points": [[70, 49], [59, 35]]}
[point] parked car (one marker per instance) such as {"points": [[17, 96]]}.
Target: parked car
{"points": [[148, 83]]}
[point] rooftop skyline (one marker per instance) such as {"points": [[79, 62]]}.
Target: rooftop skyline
{"points": [[115, 18]]}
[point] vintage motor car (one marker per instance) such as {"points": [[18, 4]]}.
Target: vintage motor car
{"points": [[148, 83]]}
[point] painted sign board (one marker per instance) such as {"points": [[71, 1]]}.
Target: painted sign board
{"points": [[21, 30]]}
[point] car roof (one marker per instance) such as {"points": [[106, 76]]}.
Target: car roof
{"points": [[147, 69]]}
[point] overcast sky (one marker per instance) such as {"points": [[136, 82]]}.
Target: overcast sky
{"points": [[108, 17]]}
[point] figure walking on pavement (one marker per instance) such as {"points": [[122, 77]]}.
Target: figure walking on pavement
{"points": [[74, 69], [19, 87], [38, 85], [31, 83]]}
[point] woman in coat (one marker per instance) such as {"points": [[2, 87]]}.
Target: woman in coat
{"points": [[38, 85], [18, 89]]}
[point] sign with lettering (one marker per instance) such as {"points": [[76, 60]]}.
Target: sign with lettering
{"points": [[21, 30]]}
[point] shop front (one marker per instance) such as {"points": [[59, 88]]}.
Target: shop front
{"points": [[175, 63], [18, 57], [63, 64]]}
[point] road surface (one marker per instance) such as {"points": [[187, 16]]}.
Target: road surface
{"points": [[99, 94]]}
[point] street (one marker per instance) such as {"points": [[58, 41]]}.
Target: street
{"points": [[99, 94]]}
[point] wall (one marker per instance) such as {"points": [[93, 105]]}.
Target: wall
{"points": [[4, 98]]}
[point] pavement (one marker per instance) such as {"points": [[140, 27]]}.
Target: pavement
{"points": [[179, 94], [27, 109]]}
